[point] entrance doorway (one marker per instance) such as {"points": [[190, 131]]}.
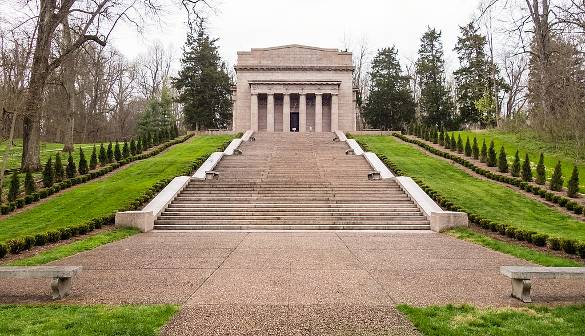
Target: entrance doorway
{"points": [[294, 121]]}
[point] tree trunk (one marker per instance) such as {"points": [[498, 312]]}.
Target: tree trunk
{"points": [[7, 152], [69, 84]]}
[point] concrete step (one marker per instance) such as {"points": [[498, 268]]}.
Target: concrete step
{"points": [[292, 227]]}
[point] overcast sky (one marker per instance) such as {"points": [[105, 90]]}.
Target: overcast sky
{"points": [[245, 24]]}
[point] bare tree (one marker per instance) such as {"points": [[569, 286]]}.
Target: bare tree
{"points": [[154, 68]]}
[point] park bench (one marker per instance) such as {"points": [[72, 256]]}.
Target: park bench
{"points": [[61, 275], [522, 275]]}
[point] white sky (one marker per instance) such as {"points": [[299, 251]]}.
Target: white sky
{"points": [[245, 24]]}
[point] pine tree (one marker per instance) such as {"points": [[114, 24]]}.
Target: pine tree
{"points": [[103, 157], [125, 150], [435, 136], [117, 152], [133, 147], [442, 138], [82, 163], [503, 161], [484, 155], [460, 147], [14, 188], [453, 143], [526, 169], [139, 147], [110, 153], [93, 159], [48, 173], [541, 171], [468, 150], [492, 159], [475, 149], [71, 169], [556, 180], [447, 141], [29, 183], [573, 185], [59, 170], [516, 166]]}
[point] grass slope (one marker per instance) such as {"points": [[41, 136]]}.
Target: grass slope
{"points": [[467, 320], [530, 144], [487, 198], [82, 245], [65, 320], [102, 197]]}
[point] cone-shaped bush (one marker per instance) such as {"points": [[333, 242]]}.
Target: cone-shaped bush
{"points": [[110, 153], [453, 143], [29, 183], [483, 155], [125, 150], [460, 147], [83, 169], [475, 149], [447, 141], [59, 170], [93, 159], [14, 188], [139, 147], [71, 169], [503, 161], [541, 171], [117, 152], [435, 136], [441, 138], [103, 157], [526, 170], [133, 147], [176, 130], [492, 159], [573, 185], [516, 166], [468, 150], [556, 180], [48, 173]]}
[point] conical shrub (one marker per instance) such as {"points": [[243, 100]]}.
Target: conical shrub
{"points": [[460, 148], [110, 153], [492, 159], [447, 143], [125, 150], [541, 171], [502, 161], [59, 170], [71, 169], [573, 185], [475, 149], [516, 165], [117, 152], [14, 188], [48, 173], [468, 150], [83, 168], [103, 157], [453, 143], [29, 183], [133, 147], [139, 147], [556, 180], [93, 159], [484, 155], [526, 169]]}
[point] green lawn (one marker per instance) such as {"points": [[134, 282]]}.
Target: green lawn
{"points": [[486, 198], [467, 320], [103, 197], [567, 153], [82, 245], [537, 257], [62, 320]]}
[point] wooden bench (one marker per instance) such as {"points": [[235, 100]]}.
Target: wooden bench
{"points": [[522, 275], [62, 275]]}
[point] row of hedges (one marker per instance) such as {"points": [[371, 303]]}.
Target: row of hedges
{"points": [[570, 246], [55, 188], [514, 181], [14, 246]]}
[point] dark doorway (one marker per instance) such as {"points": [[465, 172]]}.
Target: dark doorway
{"points": [[294, 121]]}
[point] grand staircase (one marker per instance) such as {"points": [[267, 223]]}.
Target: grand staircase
{"points": [[292, 181]]}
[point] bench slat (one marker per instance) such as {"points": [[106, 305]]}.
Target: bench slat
{"points": [[25, 272], [531, 272]]}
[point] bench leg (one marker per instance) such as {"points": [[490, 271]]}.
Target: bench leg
{"points": [[60, 287], [521, 289]]}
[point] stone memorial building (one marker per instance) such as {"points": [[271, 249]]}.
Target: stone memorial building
{"points": [[294, 88]]}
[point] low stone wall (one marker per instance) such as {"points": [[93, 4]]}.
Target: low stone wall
{"points": [[372, 132]]}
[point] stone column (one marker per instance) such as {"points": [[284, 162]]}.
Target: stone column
{"points": [[286, 113], [254, 112], [302, 112], [270, 113], [318, 112], [334, 112]]}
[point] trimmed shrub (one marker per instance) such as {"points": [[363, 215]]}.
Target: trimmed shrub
{"points": [[110, 153], [133, 147], [526, 169], [568, 245], [539, 239], [453, 143], [15, 246], [103, 157], [139, 147], [28, 242], [3, 250], [71, 169], [48, 174], [573, 185], [460, 148], [492, 159], [483, 155], [29, 183], [447, 141], [554, 243], [14, 188], [117, 152], [556, 180], [83, 168], [516, 166], [475, 149], [59, 170], [41, 239], [468, 150], [503, 161], [541, 171], [579, 249], [125, 150], [93, 160]]}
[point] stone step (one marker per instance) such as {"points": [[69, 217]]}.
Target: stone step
{"points": [[288, 221], [276, 227]]}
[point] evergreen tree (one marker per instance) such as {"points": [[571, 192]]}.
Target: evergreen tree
{"points": [[93, 159], [526, 169], [29, 183], [155, 138], [103, 156], [442, 138], [117, 152], [468, 150], [453, 143], [158, 114], [14, 188], [475, 149], [541, 171], [48, 173], [70, 169], [175, 130], [435, 101], [59, 170], [556, 180], [82, 163], [484, 154], [573, 185], [139, 146], [516, 166], [110, 153], [503, 161], [459, 144], [447, 141], [435, 136], [133, 147], [125, 150], [492, 159], [203, 83]]}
